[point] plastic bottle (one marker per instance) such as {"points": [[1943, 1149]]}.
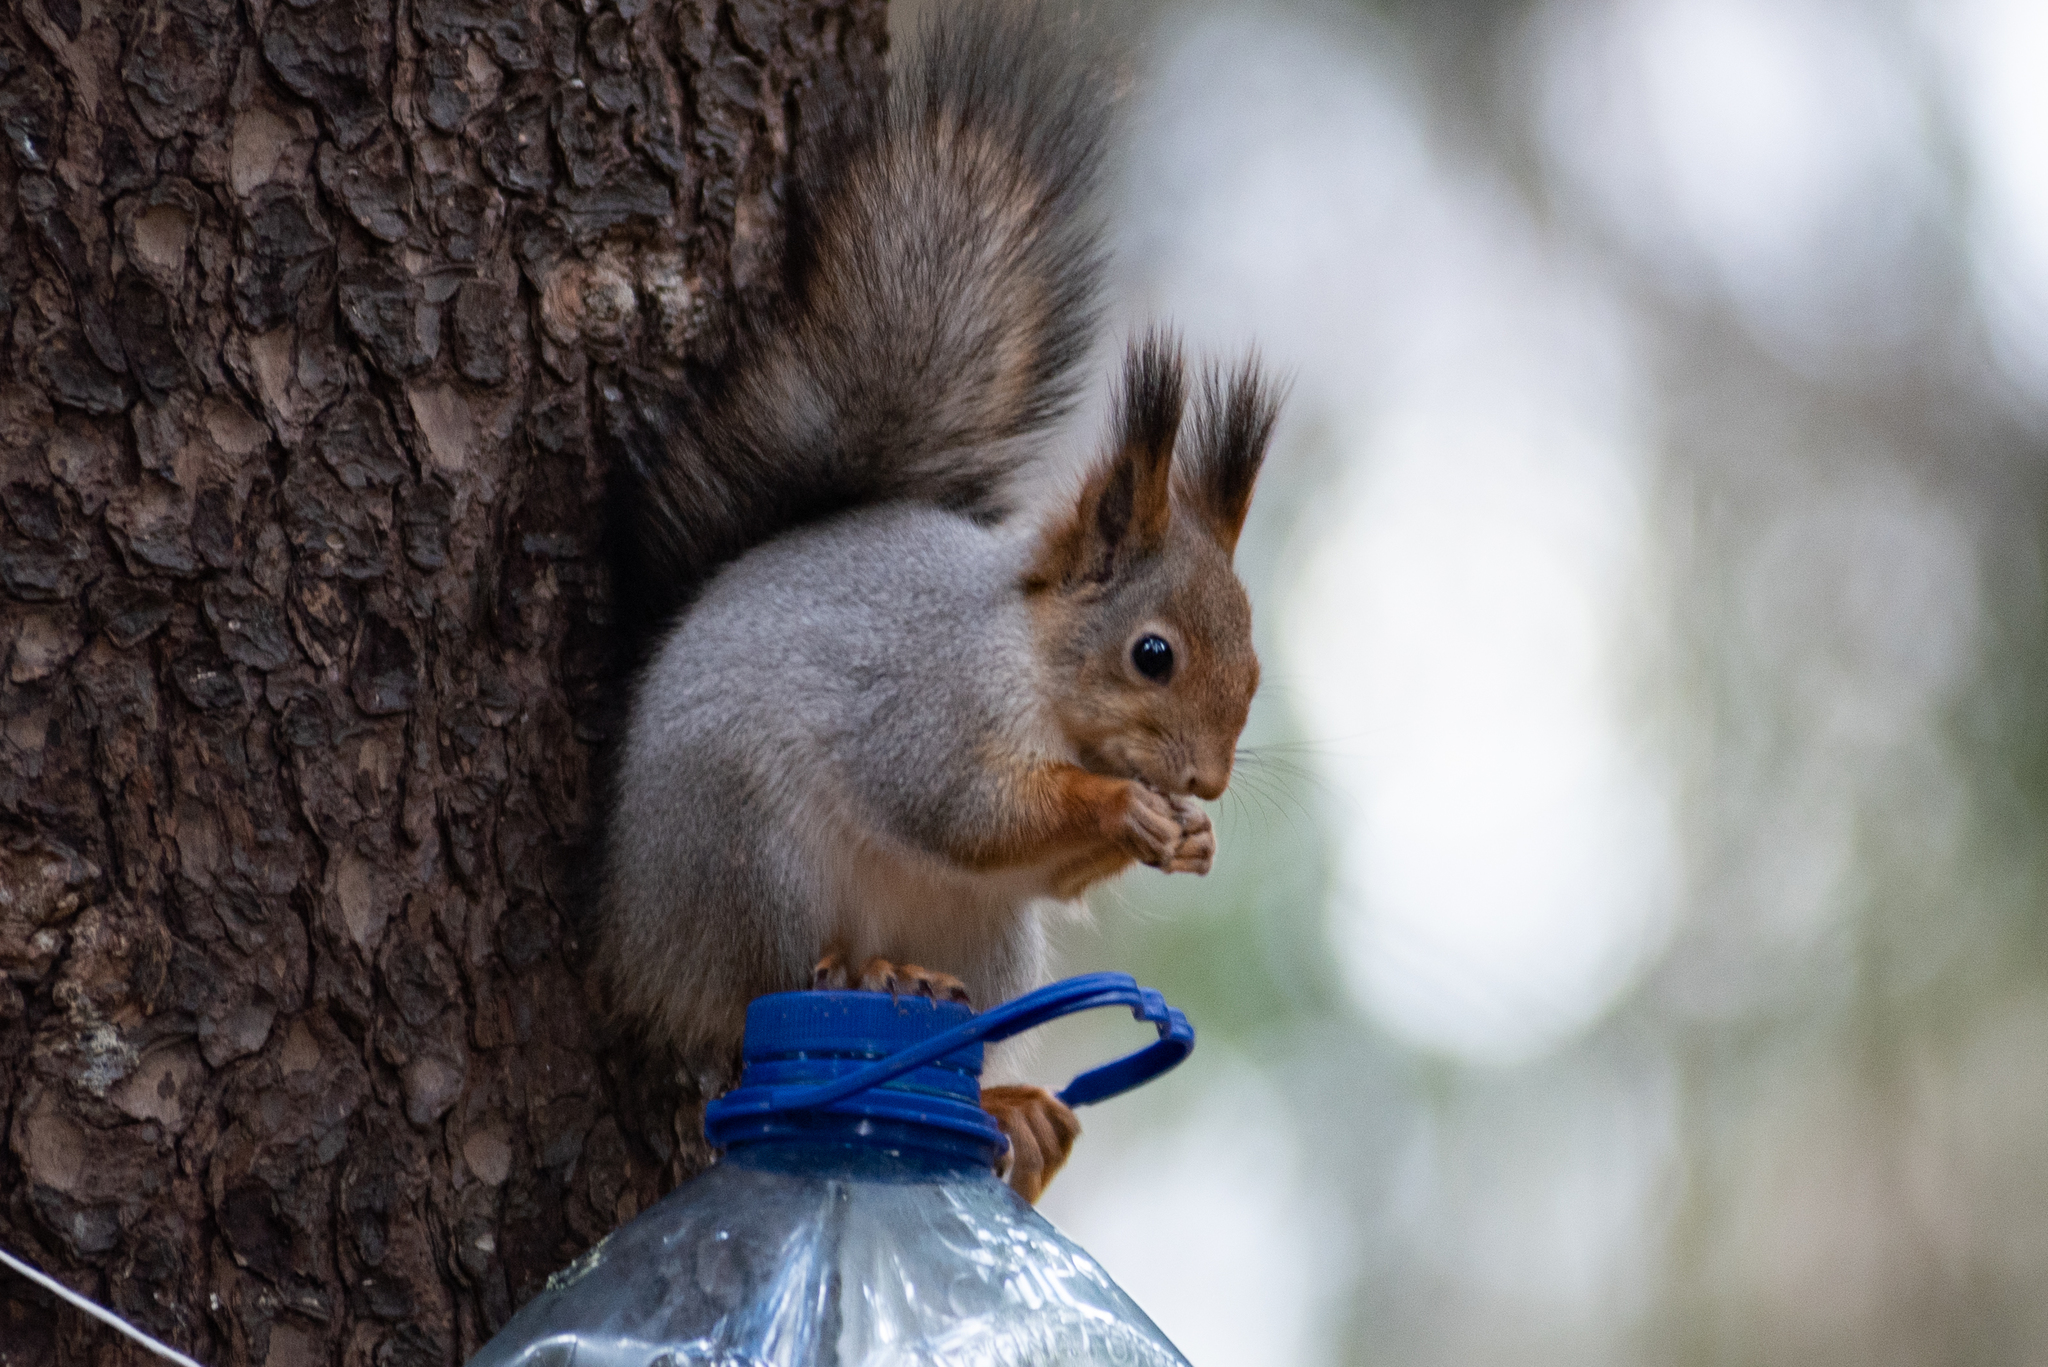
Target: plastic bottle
{"points": [[856, 1219]]}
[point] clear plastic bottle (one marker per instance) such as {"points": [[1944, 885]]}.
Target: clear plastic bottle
{"points": [[856, 1219]]}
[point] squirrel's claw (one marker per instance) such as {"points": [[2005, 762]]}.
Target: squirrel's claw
{"points": [[833, 974], [1041, 1130]]}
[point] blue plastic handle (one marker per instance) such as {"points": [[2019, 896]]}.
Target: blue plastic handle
{"points": [[1085, 993]]}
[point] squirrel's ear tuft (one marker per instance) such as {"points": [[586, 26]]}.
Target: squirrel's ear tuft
{"points": [[1233, 426], [1125, 505]]}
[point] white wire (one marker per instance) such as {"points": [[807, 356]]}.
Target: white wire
{"points": [[94, 1309]]}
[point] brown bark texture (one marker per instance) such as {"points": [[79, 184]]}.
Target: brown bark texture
{"points": [[303, 636]]}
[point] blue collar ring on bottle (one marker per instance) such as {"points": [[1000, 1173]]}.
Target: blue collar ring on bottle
{"points": [[867, 1067]]}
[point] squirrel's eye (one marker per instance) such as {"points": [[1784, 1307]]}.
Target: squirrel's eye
{"points": [[1153, 657]]}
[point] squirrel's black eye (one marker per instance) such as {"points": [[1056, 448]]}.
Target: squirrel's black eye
{"points": [[1153, 657]]}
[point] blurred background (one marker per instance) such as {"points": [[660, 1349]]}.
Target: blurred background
{"points": [[1627, 943]]}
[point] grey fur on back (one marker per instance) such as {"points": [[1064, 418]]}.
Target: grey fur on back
{"points": [[787, 768], [942, 275]]}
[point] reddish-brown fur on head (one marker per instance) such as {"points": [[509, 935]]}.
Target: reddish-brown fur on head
{"points": [[1146, 551]]}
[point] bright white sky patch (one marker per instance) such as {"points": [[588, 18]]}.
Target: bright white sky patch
{"points": [[1777, 142], [1998, 51], [1458, 636], [1510, 861]]}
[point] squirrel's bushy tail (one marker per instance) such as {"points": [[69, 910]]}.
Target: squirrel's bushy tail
{"points": [[942, 280]]}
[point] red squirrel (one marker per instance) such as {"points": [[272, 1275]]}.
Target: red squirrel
{"points": [[894, 709]]}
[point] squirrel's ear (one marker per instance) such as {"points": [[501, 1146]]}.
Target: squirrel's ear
{"points": [[1127, 501], [1233, 426]]}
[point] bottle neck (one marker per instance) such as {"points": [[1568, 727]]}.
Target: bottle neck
{"points": [[861, 1147]]}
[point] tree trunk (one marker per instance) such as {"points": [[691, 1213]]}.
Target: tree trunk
{"points": [[303, 640]]}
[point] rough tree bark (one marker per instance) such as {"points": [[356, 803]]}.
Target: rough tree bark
{"points": [[303, 640]]}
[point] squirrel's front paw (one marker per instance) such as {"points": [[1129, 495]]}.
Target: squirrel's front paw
{"points": [[1148, 827], [1041, 1130], [1172, 834], [835, 974], [1197, 848]]}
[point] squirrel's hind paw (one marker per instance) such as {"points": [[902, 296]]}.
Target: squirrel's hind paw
{"points": [[1041, 1130], [834, 973]]}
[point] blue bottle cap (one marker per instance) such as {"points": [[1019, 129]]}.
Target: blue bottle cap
{"points": [[876, 1068], [797, 1041]]}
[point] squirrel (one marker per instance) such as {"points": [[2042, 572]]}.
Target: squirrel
{"points": [[890, 712]]}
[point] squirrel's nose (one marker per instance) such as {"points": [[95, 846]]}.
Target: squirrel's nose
{"points": [[1206, 784]]}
